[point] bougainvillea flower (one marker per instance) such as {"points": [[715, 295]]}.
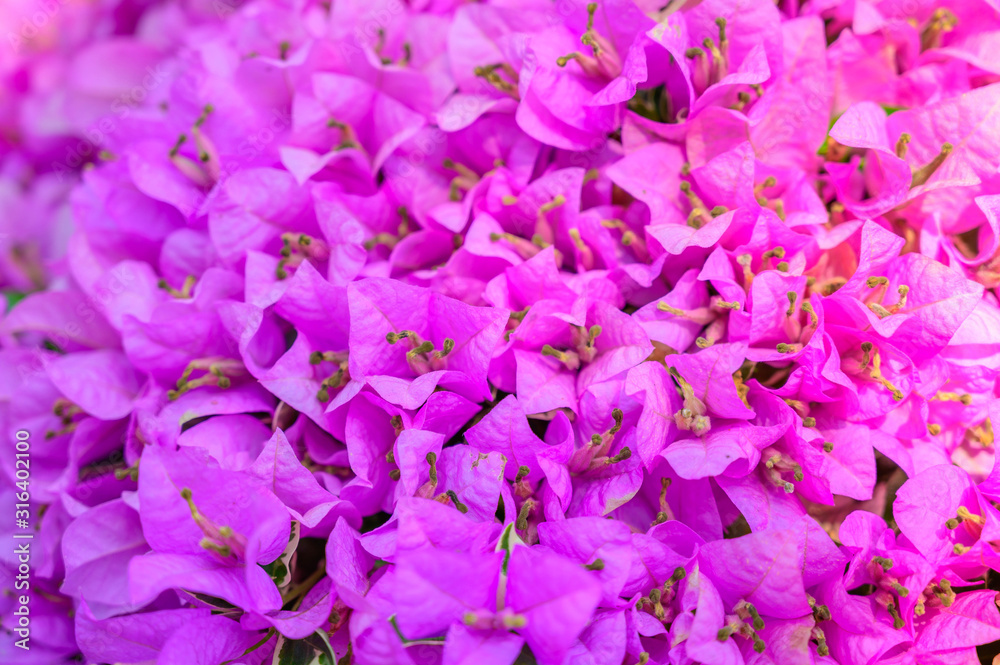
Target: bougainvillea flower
{"points": [[587, 333], [208, 535]]}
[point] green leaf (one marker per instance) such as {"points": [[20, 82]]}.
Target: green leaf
{"points": [[395, 627], [321, 642], [313, 650], [526, 657], [280, 569], [264, 640], [294, 652], [217, 603], [825, 148], [402, 638], [372, 522], [508, 540], [14, 297]]}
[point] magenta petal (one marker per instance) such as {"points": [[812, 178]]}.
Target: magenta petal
{"points": [[505, 430], [435, 588], [295, 486], [557, 598], [348, 564], [764, 568], [103, 383], [971, 620], [204, 641], [927, 501], [152, 574], [131, 637], [709, 616], [63, 316], [586, 539], [97, 549], [468, 646], [311, 615]]}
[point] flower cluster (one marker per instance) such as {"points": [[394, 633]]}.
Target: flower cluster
{"points": [[429, 332]]}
